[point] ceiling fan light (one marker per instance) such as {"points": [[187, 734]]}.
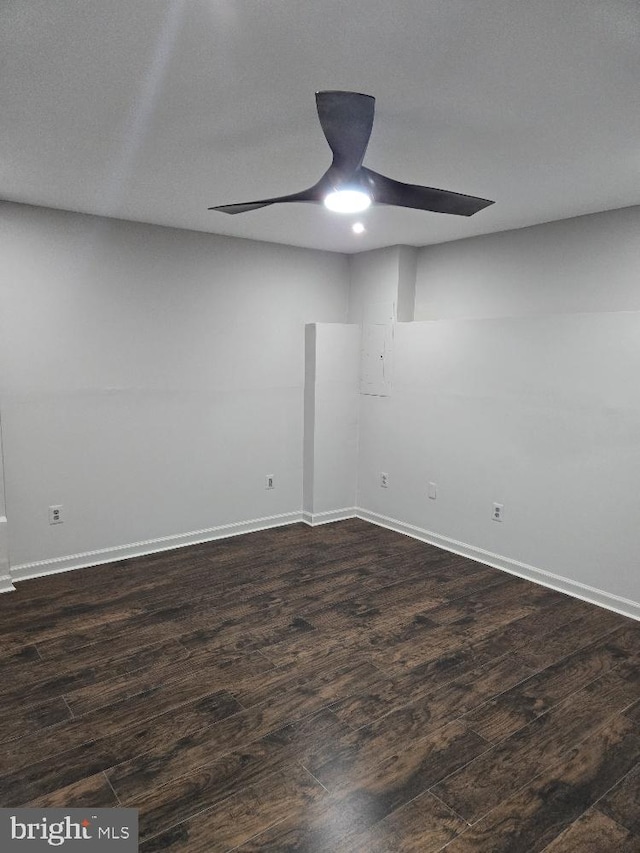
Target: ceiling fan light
{"points": [[347, 201]]}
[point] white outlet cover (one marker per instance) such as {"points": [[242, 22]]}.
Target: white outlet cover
{"points": [[55, 514], [433, 491]]}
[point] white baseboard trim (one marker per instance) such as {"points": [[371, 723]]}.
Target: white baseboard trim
{"points": [[618, 604], [313, 519], [5, 577], [6, 584], [40, 568], [591, 594]]}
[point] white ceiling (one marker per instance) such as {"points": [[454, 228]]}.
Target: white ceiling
{"points": [[153, 110]]}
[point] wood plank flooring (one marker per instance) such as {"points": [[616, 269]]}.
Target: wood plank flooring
{"points": [[342, 688]]}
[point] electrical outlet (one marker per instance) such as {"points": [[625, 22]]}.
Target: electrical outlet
{"points": [[433, 491], [269, 482], [384, 480], [55, 514], [497, 512]]}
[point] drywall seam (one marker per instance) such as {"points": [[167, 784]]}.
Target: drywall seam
{"points": [[25, 571], [591, 594]]}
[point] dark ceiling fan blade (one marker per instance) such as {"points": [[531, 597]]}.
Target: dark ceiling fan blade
{"points": [[241, 208], [313, 194], [346, 119], [387, 191]]}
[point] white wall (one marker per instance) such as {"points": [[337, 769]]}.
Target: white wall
{"points": [[537, 406], [373, 285], [588, 263], [150, 378], [331, 421], [407, 273]]}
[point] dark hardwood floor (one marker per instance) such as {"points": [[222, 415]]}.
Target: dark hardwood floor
{"points": [[342, 688]]}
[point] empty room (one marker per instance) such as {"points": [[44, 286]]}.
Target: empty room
{"points": [[320, 426]]}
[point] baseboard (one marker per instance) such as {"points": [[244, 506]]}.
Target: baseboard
{"points": [[6, 584], [5, 577], [313, 519], [25, 571], [591, 594], [624, 606]]}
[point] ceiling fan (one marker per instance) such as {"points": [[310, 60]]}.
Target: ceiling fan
{"points": [[347, 186]]}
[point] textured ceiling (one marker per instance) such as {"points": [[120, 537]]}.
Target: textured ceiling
{"points": [[153, 110]]}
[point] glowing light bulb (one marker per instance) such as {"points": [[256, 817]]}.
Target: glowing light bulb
{"points": [[347, 201], [357, 228]]}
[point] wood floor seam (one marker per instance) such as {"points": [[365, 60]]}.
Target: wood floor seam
{"points": [[104, 773], [436, 797], [306, 769], [64, 699]]}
